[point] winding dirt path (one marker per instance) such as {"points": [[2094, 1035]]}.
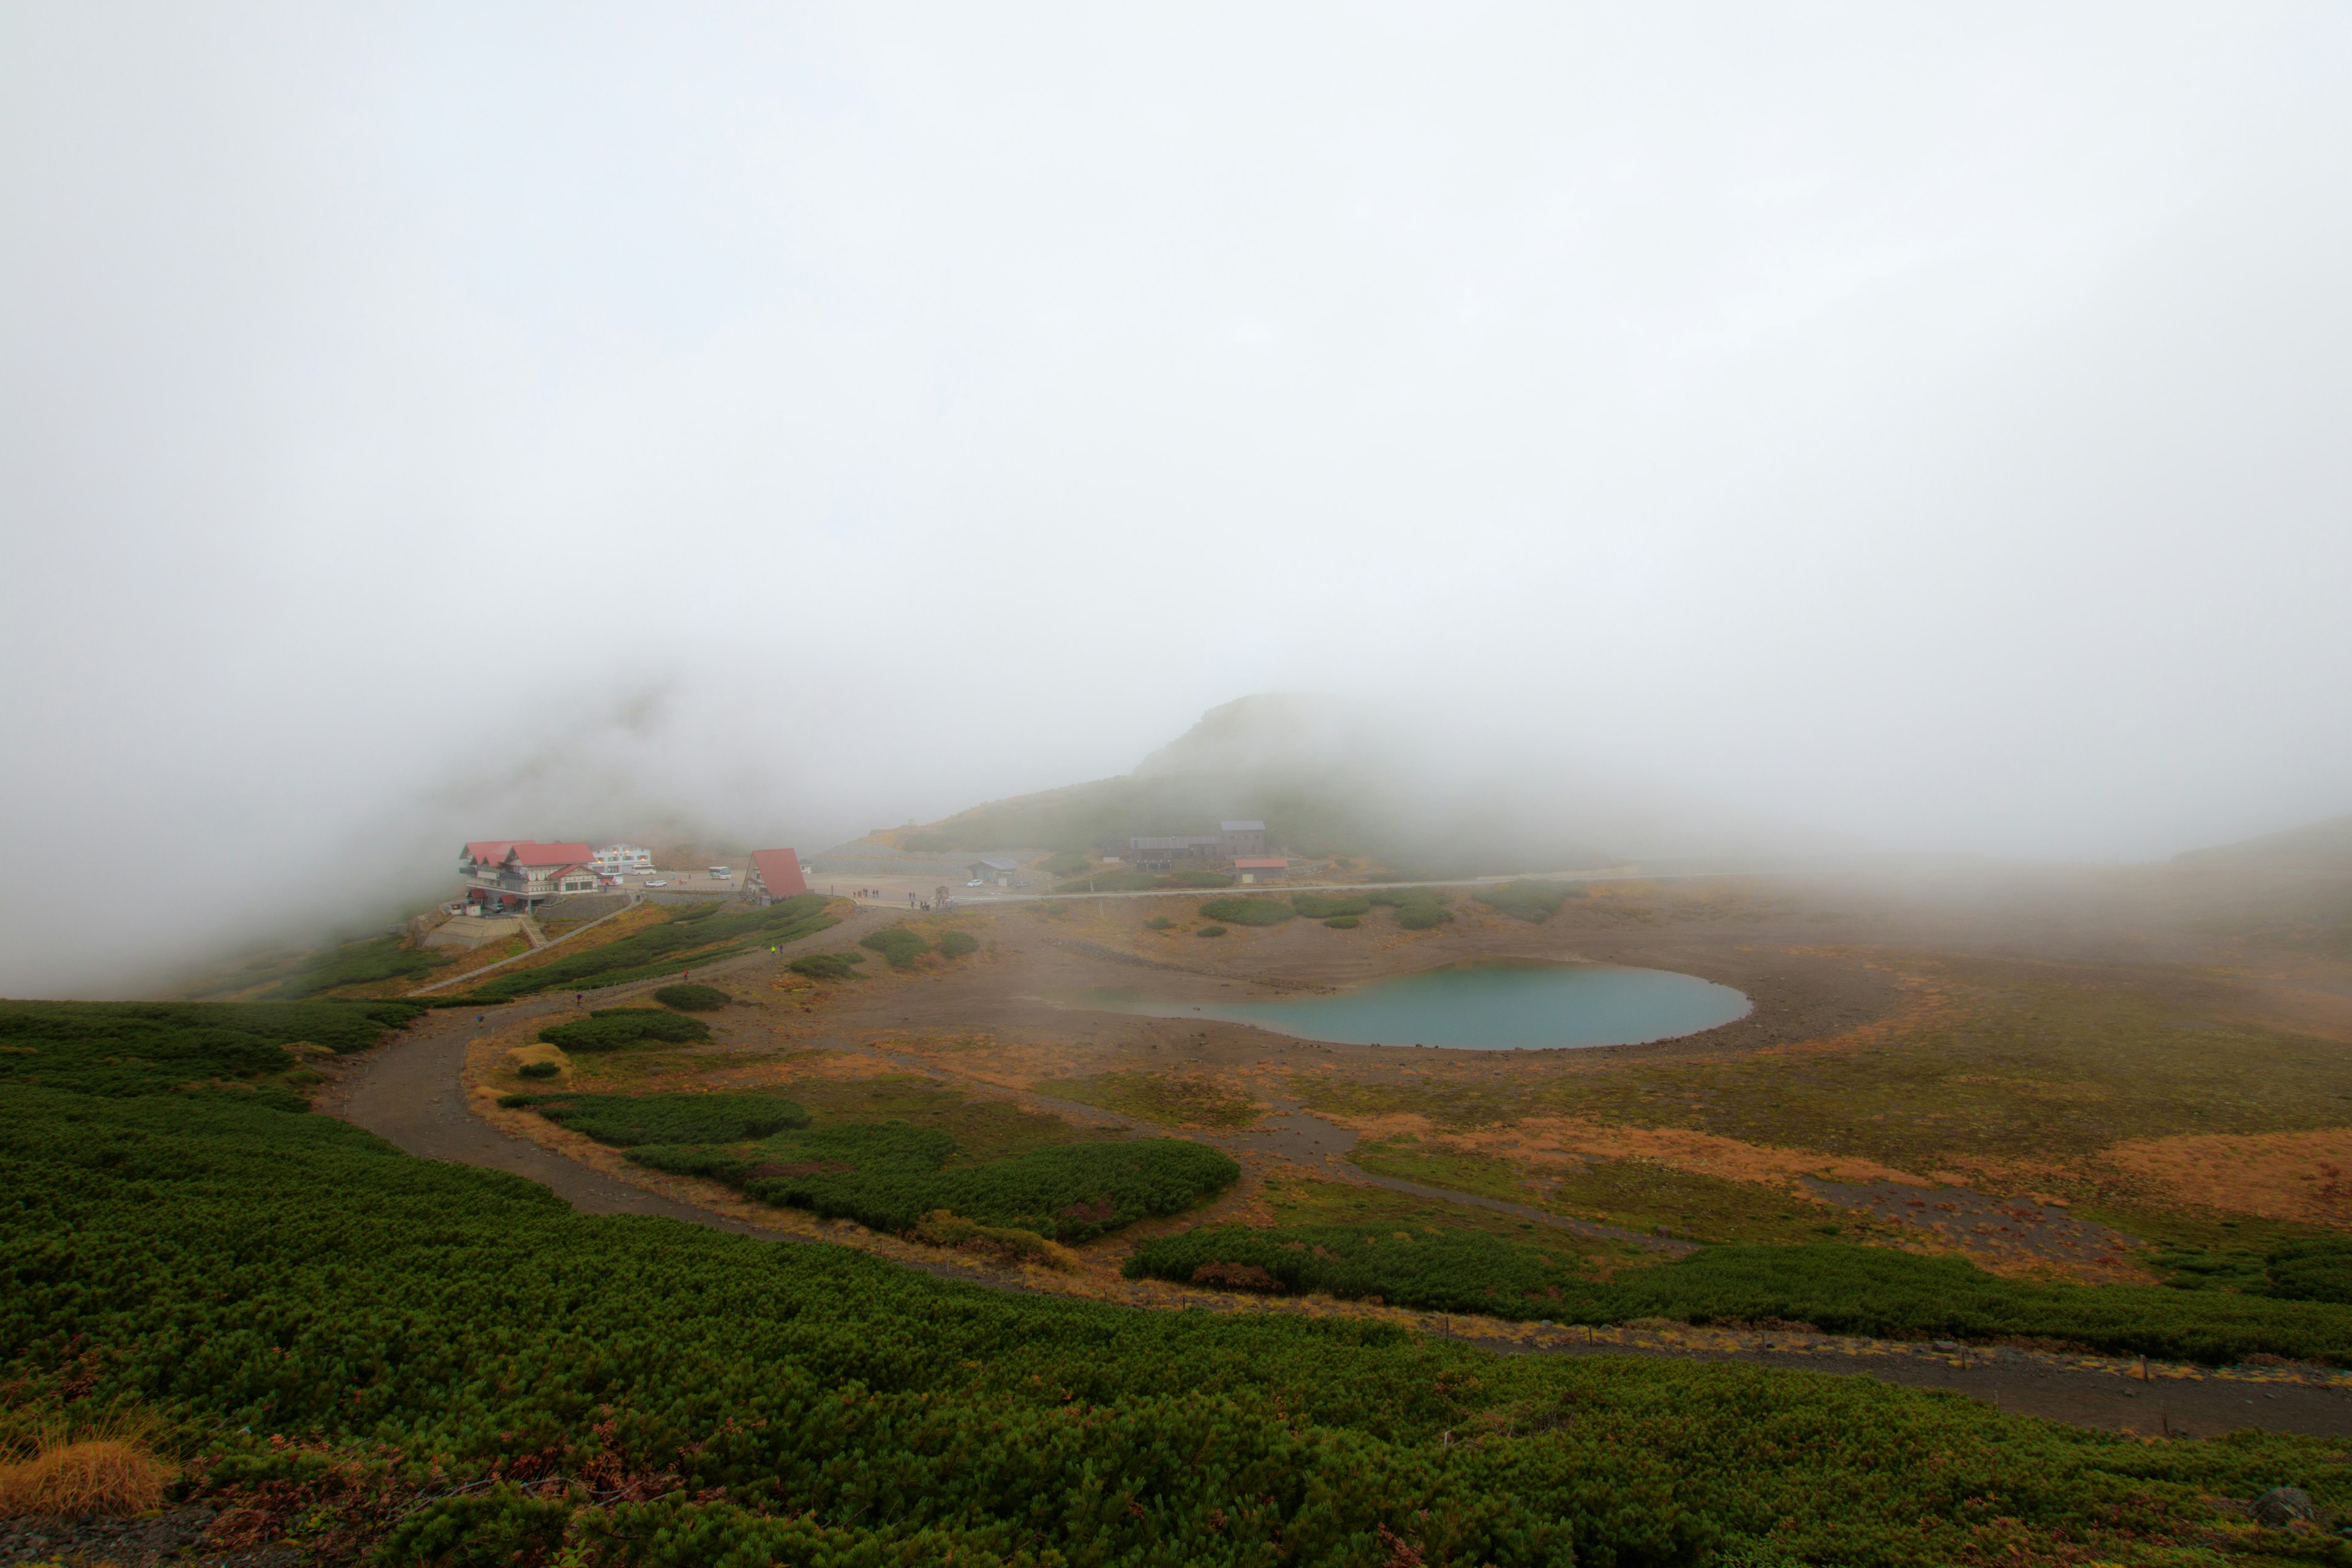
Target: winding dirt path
{"points": [[408, 1091]]}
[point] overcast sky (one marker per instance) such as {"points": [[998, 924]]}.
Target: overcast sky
{"points": [[1935, 423]]}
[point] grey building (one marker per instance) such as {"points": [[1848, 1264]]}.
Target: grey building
{"points": [[1240, 840]]}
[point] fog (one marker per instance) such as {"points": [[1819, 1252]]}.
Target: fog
{"points": [[1921, 430]]}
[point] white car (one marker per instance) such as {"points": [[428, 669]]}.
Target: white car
{"points": [[656, 882], [975, 882]]}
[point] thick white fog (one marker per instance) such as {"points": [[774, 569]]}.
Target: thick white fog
{"points": [[429, 422]]}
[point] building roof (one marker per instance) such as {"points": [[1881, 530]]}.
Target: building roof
{"points": [[995, 864], [490, 851], [1185, 842], [536, 855], [1262, 863], [779, 871], [1241, 827]]}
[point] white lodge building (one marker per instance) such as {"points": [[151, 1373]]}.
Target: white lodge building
{"points": [[618, 859], [519, 871]]}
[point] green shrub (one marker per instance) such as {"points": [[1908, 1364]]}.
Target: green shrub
{"points": [[539, 1070], [887, 1175], [125, 1048], [311, 1305], [1063, 864], [1322, 906], [1247, 912], [1006, 1244], [896, 944], [827, 965], [1448, 1270], [1210, 930], [1193, 879], [361, 963], [1159, 922], [2317, 1270], [692, 998], [617, 1028], [1110, 882], [627, 1119], [1417, 909], [1532, 901], [1835, 1286], [956, 943], [701, 934], [1344, 922]]}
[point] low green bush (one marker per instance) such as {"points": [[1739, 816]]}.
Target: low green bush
{"points": [[1535, 902], [1448, 1270], [1004, 1242], [1195, 880], [2317, 1270], [127, 1048], [1210, 930], [1344, 922], [1159, 922], [896, 944], [539, 1070], [624, 1121], [692, 998], [1417, 909], [888, 1175], [361, 963], [1247, 912], [1110, 882], [827, 965], [1835, 1286], [956, 943], [700, 934], [1322, 906], [370, 1348], [617, 1028]]}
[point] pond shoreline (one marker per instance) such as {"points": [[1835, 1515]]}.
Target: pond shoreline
{"points": [[1497, 1003]]}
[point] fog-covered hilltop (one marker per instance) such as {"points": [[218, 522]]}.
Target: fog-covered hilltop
{"points": [[1333, 777]]}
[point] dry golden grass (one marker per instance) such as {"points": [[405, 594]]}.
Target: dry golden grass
{"points": [[76, 1468], [2305, 1176]]}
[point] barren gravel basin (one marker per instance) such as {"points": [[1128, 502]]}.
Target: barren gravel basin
{"points": [[1507, 1004]]}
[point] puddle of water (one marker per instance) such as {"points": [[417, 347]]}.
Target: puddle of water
{"points": [[1501, 1005]]}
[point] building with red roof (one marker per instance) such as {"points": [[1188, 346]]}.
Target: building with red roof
{"points": [[522, 871], [776, 873]]}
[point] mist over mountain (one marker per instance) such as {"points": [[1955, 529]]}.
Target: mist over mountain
{"points": [[2320, 847], [1333, 775]]}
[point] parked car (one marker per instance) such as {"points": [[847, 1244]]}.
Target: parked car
{"points": [[656, 882], [976, 882]]}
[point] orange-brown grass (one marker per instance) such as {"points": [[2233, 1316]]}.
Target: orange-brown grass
{"points": [[64, 1467], [1557, 1139], [2304, 1176]]}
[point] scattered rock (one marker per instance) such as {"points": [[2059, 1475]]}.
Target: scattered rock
{"points": [[2283, 1506], [172, 1535]]}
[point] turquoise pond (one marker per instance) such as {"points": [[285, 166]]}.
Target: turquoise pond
{"points": [[1501, 1005]]}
